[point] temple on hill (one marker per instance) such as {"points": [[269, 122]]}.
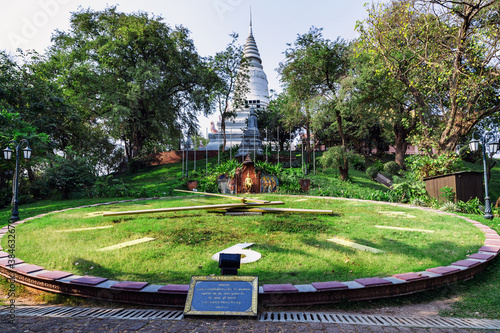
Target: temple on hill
{"points": [[256, 98]]}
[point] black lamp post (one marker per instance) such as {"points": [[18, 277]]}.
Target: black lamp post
{"points": [[7, 153], [493, 148]]}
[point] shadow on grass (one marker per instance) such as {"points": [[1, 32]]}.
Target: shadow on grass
{"points": [[438, 251], [314, 242], [91, 268]]}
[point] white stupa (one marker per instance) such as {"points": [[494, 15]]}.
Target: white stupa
{"points": [[256, 98]]}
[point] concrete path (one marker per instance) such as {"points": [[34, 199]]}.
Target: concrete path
{"points": [[28, 324]]}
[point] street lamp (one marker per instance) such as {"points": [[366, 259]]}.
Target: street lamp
{"points": [[7, 153], [493, 148]]}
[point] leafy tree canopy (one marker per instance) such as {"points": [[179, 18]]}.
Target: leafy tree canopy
{"points": [[229, 92], [446, 53], [143, 79]]}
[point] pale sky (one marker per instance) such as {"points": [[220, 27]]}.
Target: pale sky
{"points": [[29, 24]]}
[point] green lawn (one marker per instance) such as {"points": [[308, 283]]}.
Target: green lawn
{"points": [[294, 246]]}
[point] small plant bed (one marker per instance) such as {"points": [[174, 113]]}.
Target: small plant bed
{"points": [[295, 248]]}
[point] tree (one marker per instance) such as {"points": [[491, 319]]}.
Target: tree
{"points": [[41, 103], [271, 117], [311, 76], [142, 79], [446, 53], [389, 103], [231, 67]]}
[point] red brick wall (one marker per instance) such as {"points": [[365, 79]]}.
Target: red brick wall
{"points": [[168, 157]]}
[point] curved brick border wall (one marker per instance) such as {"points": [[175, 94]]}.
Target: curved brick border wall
{"points": [[174, 295]]}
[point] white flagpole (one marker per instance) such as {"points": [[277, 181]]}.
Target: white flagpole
{"points": [[290, 147], [266, 145], [206, 153], [278, 135], [254, 145]]}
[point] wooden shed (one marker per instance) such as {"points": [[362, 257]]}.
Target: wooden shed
{"points": [[465, 184]]}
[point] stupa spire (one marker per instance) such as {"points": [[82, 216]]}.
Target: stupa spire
{"points": [[251, 51], [251, 31]]}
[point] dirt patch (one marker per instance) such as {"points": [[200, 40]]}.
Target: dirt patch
{"points": [[33, 297], [413, 310]]}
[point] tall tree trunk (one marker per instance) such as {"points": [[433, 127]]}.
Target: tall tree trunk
{"points": [[308, 143], [400, 134], [344, 172], [138, 144], [223, 130], [338, 117], [31, 174]]}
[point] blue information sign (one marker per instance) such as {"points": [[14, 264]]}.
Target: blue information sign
{"points": [[222, 295]]}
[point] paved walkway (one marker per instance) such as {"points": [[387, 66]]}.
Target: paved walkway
{"points": [[72, 325]]}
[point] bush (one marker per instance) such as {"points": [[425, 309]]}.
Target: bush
{"points": [[69, 175], [468, 156], [392, 168], [447, 193], [227, 167], [407, 189], [5, 197], [108, 187], [372, 172], [379, 165], [469, 207], [289, 181], [358, 162], [449, 207], [269, 168], [140, 162], [426, 166], [208, 184], [335, 156]]}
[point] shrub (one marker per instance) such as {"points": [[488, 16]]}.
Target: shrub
{"points": [[426, 166], [289, 181], [406, 190], [392, 168], [372, 172], [139, 162], [447, 193], [449, 207], [335, 156], [68, 175], [418, 201], [208, 184], [379, 165], [109, 187], [468, 156], [358, 162], [469, 207], [227, 168], [269, 168], [5, 197]]}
